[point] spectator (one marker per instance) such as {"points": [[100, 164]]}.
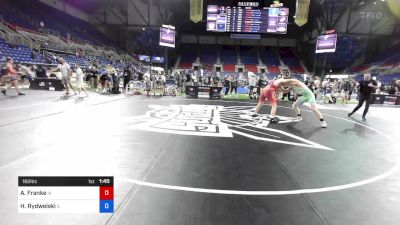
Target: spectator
{"points": [[41, 72], [346, 87], [316, 86], [127, 76], [329, 91], [227, 84], [392, 89], [27, 74]]}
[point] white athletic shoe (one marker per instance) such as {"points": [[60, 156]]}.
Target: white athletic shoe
{"points": [[324, 124]]}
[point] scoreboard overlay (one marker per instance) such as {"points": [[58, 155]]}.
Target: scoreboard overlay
{"points": [[66, 194]]}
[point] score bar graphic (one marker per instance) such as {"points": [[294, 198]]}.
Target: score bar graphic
{"points": [[66, 194]]}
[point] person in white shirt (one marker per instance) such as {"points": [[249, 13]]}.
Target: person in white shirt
{"points": [[66, 71], [163, 78], [79, 80], [147, 83], [252, 84]]}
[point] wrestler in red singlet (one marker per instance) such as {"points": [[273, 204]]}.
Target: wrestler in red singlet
{"points": [[268, 93], [12, 74]]}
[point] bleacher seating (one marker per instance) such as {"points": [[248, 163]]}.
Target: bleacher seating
{"points": [[389, 57], [274, 70], [387, 79], [72, 60], [248, 55], [14, 16], [228, 55], [188, 56], [249, 58], [20, 53], [229, 68], [347, 51], [270, 58], [359, 68], [290, 59], [251, 67], [29, 14], [271, 61], [208, 54]]}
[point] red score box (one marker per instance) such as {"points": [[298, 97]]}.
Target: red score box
{"points": [[107, 193]]}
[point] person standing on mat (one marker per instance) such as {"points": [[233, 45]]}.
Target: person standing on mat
{"points": [[234, 83], [268, 93], [79, 80], [227, 84], [252, 84], [366, 88], [307, 96], [11, 74], [66, 72]]}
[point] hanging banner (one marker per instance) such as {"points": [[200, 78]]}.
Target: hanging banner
{"points": [[302, 8], [196, 10]]}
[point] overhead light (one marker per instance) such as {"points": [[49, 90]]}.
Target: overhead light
{"points": [[374, 3], [144, 28]]}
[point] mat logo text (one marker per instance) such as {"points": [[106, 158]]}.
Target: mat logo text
{"points": [[215, 121]]}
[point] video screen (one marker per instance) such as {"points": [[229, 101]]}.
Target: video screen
{"points": [[157, 59], [167, 36], [144, 58], [326, 43], [247, 20]]}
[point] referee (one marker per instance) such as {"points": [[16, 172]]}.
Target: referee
{"points": [[367, 87]]}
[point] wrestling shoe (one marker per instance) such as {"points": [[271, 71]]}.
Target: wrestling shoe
{"points": [[364, 119], [4, 92], [324, 124], [254, 115], [273, 119], [19, 93]]}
